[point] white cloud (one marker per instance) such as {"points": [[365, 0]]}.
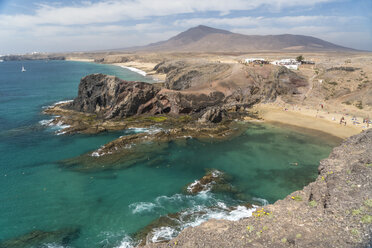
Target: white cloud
{"points": [[109, 23], [109, 11]]}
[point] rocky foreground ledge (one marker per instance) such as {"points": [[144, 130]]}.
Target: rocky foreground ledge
{"points": [[334, 211]]}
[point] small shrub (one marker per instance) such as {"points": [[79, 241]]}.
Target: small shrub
{"points": [[368, 203], [313, 203], [185, 118], [300, 58], [157, 118], [347, 103], [332, 83], [356, 212], [298, 235], [367, 219], [296, 198], [354, 232], [284, 240], [250, 228], [359, 105]]}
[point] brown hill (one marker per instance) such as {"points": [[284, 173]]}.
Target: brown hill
{"points": [[207, 39]]}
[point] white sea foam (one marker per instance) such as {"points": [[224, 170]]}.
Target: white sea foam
{"points": [[143, 73], [199, 214], [150, 130], [59, 127], [56, 103], [142, 207], [95, 154], [126, 242], [53, 245], [98, 152], [163, 233], [199, 208], [60, 102], [46, 122]]}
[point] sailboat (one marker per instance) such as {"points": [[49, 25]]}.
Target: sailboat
{"points": [[23, 68]]}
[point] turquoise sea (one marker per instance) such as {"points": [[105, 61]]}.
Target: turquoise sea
{"points": [[108, 207]]}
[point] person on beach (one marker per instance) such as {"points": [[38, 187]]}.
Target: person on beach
{"points": [[342, 120]]}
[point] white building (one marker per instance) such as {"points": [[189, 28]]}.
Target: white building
{"points": [[289, 63]]}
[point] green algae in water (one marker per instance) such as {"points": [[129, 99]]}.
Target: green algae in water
{"points": [[36, 194]]}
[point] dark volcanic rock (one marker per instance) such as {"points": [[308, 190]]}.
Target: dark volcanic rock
{"points": [[175, 102], [110, 97], [214, 115], [40, 238], [213, 180]]}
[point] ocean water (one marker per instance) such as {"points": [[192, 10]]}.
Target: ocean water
{"points": [[108, 207]]}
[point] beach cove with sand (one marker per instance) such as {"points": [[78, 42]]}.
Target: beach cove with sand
{"points": [[109, 207]]}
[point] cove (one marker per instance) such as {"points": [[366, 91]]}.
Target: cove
{"points": [[109, 206]]}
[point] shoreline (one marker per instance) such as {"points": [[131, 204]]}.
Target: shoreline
{"points": [[79, 59], [142, 68], [304, 117], [279, 112]]}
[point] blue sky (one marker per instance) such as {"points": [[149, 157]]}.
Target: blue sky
{"points": [[76, 25]]}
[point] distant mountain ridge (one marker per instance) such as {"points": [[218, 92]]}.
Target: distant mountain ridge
{"points": [[207, 39]]}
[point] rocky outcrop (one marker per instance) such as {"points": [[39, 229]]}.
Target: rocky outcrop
{"points": [[182, 75], [334, 211], [214, 115], [175, 102], [110, 97], [213, 180]]}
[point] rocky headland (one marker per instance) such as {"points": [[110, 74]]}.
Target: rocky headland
{"points": [[196, 101]]}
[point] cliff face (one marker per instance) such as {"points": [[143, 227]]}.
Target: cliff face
{"points": [[334, 211], [205, 91], [110, 97]]}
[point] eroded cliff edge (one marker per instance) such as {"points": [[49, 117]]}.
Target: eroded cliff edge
{"points": [[333, 211]]}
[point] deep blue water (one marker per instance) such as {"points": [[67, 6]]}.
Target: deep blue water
{"points": [[37, 194]]}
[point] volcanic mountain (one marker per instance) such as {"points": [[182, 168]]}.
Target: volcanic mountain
{"points": [[207, 39]]}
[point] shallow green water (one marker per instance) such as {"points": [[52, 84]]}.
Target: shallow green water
{"points": [[35, 193]]}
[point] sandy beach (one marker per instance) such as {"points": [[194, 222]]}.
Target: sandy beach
{"points": [[79, 59], [306, 117], [146, 67]]}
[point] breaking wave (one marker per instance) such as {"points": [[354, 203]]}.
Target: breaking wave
{"points": [[196, 210], [58, 127]]}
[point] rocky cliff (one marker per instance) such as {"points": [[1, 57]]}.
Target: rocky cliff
{"points": [[206, 91], [110, 97], [334, 211]]}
